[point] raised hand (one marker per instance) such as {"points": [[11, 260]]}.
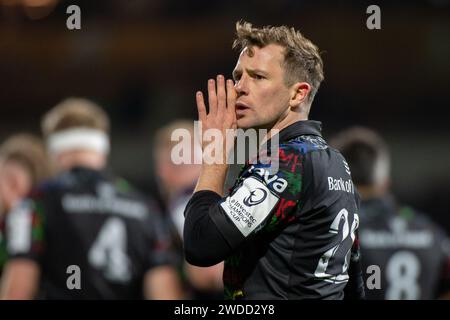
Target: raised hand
{"points": [[222, 113]]}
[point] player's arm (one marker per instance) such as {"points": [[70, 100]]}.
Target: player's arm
{"points": [[25, 244], [162, 283], [20, 280], [204, 244], [205, 279], [209, 189], [221, 118], [261, 200]]}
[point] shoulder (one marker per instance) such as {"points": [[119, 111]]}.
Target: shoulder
{"points": [[46, 188], [295, 152], [124, 186], [315, 153], [421, 220], [129, 191], [304, 144], [61, 181], [425, 223]]}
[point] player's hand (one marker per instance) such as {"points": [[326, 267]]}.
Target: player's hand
{"points": [[222, 112]]}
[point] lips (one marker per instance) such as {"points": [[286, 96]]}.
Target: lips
{"points": [[241, 107], [240, 104]]}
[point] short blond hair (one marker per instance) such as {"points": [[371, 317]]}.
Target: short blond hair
{"points": [[28, 151], [75, 113], [302, 61]]}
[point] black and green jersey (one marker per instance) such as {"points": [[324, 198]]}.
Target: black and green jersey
{"points": [[289, 233], [88, 220], [411, 252]]}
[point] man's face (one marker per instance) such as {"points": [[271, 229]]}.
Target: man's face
{"points": [[15, 183], [262, 96]]}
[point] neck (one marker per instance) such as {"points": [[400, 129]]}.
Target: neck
{"points": [[284, 122], [82, 158]]}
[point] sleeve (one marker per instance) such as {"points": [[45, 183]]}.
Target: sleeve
{"points": [[204, 244], [25, 230], [263, 200]]}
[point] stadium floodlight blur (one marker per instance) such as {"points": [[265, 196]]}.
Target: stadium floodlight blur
{"points": [[33, 9]]}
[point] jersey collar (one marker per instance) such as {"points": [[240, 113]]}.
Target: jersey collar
{"points": [[299, 128]]}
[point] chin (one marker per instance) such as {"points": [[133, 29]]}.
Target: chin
{"points": [[248, 124], [245, 123]]}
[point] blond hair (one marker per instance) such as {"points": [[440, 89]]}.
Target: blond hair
{"points": [[302, 61], [75, 113], [28, 151]]}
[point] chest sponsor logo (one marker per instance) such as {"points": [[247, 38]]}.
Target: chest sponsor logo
{"points": [[276, 183], [340, 185]]}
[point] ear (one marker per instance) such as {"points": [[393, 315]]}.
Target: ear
{"points": [[299, 93]]}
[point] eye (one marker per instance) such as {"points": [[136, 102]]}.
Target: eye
{"points": [[259, 77], [237, 77]]}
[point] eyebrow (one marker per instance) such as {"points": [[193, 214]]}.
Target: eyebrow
{"points": [[255, 71], [249, 71]]}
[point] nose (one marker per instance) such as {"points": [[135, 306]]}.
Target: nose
{"points": [[241, 86]]}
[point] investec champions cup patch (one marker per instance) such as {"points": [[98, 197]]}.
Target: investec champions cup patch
{"points": [[249, 205]]}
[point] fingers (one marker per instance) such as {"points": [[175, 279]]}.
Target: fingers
{"points": [[221, 101], [201, 106], [231, 100], [212, 98], [221, 96]]}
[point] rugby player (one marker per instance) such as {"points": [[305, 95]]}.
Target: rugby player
{"points": [[176, 183], [85, 234], [286, 234], [23, 164], [412, 252]]}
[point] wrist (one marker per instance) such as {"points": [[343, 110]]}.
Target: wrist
{"points": [[215, 168], [215, 173], [212, 177]]}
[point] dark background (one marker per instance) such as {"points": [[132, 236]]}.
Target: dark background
{"points": [[143, 60]]}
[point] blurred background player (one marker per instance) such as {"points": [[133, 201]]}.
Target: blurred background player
{"points": [[85, 218], [176, 183], [23, 164], [411, 251]]}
